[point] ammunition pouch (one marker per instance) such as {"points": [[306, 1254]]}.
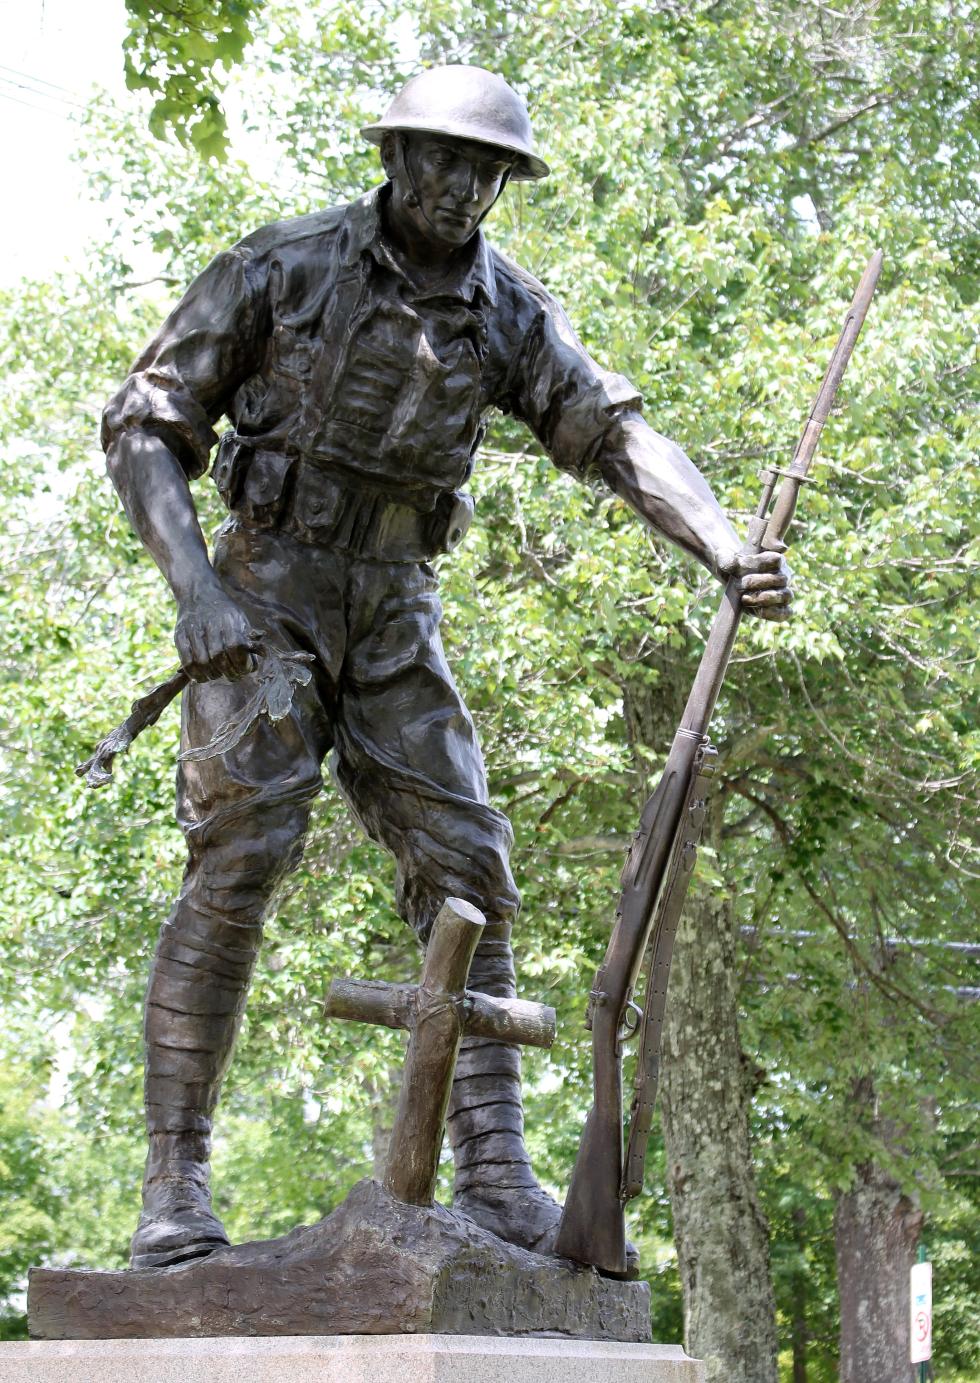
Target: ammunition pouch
{"points": [[252, 481], [277, 489]]}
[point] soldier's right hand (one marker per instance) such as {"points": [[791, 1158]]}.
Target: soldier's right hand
{"points": [[214, 638]]}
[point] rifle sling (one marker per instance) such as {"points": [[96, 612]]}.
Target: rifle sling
{"points": [[668, 913]]}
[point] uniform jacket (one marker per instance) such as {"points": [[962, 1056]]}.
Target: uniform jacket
{"points": [[311, 337]]}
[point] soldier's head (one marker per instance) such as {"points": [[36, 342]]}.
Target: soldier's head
{"points": [[450, 141]]}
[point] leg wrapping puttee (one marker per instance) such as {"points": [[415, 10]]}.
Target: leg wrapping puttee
{"points": [[495, 1184], [486, 1114], [194, 1005]]}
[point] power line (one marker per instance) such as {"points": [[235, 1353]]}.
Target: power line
{"points": [[70, 98], [970, 950], [41, 81], [42, 95], [45, 110]]}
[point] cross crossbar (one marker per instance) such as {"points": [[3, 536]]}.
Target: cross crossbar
{"points": [[437, 1013]]}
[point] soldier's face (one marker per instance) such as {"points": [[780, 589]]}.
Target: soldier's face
{"points": [[456, 182]]}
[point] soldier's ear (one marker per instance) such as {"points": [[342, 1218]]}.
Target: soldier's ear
{"points": [[389, 153]]}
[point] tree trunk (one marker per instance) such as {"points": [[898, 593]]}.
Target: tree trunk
{"points": [[876, 1234], [799, 1330], [720, 1231], [721, 1234]]}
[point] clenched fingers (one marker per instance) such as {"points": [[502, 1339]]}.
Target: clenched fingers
{"points": [[230, 646], [771, 612], [215, 639], [747, 562], [192, 650], [765, 585], [763, 581], [758, 600]]}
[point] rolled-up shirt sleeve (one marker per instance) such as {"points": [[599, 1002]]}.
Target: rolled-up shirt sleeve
{"points": [[566, 398], [185, 379]]}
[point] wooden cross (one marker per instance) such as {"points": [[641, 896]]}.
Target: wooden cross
{"points": [[438, 1013]]}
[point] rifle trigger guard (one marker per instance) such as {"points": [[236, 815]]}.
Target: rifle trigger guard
{"points": [[627, 1029]]}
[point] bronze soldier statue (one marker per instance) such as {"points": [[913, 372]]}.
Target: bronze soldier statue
{"points": [[357, 353]]}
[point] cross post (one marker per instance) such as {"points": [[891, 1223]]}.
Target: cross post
{"points": [[437, 1013]]}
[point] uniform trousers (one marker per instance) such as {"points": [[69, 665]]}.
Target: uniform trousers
{"points": [[383, 705]]}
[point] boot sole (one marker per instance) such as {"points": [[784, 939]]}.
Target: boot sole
{"points": [[171, 1257]]}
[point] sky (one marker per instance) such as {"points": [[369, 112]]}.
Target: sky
{"points": [[52, 53]]}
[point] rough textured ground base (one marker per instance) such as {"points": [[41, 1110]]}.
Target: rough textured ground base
{"points": [[374, 1267]]}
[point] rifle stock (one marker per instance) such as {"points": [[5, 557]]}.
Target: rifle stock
{"points": [[592, 1228]]}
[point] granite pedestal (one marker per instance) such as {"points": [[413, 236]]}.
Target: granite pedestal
{"points": [[346, 1359]]}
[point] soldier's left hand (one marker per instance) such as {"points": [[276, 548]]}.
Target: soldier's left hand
{"points": [[765, 584]]}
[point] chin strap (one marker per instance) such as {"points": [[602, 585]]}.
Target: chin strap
{"points": [[503, 183], [412, 198]]}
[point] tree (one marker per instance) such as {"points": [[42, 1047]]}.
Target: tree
{"points": [[172, 51], [721, 175]]}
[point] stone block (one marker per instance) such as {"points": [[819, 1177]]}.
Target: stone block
{"points": [[346, 1359]]}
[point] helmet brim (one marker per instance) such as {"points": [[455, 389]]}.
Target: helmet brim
{"points": [[527, 166]]}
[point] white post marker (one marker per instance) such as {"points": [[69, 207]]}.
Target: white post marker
{"points": [[921, 1312]]}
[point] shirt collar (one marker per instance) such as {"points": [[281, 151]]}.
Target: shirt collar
{"points": [[362, 235]]}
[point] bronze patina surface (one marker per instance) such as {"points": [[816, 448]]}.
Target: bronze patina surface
{"points": [[358, 353], [376, 1266]]}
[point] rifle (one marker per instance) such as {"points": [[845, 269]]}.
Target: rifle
{"points": [[654, 883]]}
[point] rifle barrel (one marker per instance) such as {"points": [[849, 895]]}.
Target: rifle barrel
{"points": [[769, 535]]}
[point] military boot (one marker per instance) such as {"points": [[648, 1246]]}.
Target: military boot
{"points": [[177, 1222], [494, 1182], [194, 1003]]}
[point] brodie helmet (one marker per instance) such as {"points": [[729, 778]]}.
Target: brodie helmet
{"points": [[465, 103]]}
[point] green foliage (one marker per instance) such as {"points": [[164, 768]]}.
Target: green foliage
{"points": [[172, 50], [721, 175], [59, 1192]]}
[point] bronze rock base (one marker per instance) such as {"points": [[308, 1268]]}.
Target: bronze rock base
{"points": [[375, 1266]]}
